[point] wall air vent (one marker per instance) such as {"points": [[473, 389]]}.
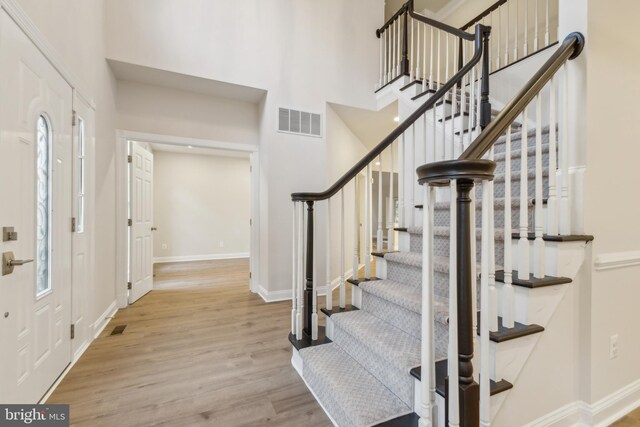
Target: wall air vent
{"points": [[299, 122]]}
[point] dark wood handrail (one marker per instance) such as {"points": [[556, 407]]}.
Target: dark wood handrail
{"points": [[408, 6], [482, 15], [571, 47], [480, 32]]}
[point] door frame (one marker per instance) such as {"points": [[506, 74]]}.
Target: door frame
{"points": [[122, 229]]}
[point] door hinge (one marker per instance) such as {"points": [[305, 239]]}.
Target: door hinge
{"points": [[250, 222], [73, 118], [129, 158], [73, 331], [129, 285], [129, 222], [73, 225], [249, 275]]}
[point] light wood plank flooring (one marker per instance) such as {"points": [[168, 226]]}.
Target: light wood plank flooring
{"points": [[630, 420], [199, 349]]}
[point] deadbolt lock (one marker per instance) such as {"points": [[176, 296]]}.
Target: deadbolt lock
{"points": [[9, 263], [9, 234]]}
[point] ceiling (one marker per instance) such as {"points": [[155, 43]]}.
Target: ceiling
{"points": [[369, 126], [172, 148], [169, 79]]}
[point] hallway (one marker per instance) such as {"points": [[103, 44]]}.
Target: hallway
{"points": [[199, 349]]}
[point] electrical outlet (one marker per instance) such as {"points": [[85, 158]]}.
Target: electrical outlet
{"points": [[221, 244], [164, 246], [613, 346]]}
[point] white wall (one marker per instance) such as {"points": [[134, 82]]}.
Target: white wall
{"points": [[304, 53], [199, 202], [160, 110], [75, 29], [612, 209]]}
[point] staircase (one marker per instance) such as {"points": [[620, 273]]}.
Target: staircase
{"points": [[455, 282]]}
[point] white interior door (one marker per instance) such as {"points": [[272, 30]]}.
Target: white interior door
{"points": [[141, 214], [35, 189], [83, 198]]}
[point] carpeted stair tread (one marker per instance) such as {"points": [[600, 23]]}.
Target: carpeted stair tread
{"points": [[347, 390], [407, 297], [414, 259], [446, 232], [391, 344]]}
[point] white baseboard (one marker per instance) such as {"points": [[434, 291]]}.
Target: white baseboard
{"points": [[273, 296], [104, 318], [601, 413], [209, 257]]}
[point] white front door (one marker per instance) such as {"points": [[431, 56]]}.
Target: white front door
{"points": [[35, 189], [141, 214], [82, 261]]}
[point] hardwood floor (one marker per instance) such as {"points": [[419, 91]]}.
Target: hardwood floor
{"points": [[199, 349], [630, 420]]}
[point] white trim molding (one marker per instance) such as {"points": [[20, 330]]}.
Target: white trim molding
{"points": [[103, 320], [274, 296], [209, 257], [615, 260], [600, 414]]}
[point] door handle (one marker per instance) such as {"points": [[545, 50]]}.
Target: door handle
{"points": [[154, 228], [9, 262]]}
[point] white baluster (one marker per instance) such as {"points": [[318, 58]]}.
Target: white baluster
{"points": [[427, 359], [452, 366], [526, 28], [431, 85], [499, 31], [538, 244], [385, 77], [424, 56], [343, 291], [401, 179], [552, 203], [388, 44], [463, 99], [314, 282], [392, 56], [535, 34], [493, 294], [473, 111], [329, 293], [565, 223], [515, 41], [391, 215], [410, 158], [398, 26], [478, 101], [485, 311], [439, 82], [507, 36], [379, 234], [418, 51], [367, 224], [411, 61], [523, 243], [391, 234], [356, 228], [507, 288], [294, 272], [546, 26], [446, 55]]}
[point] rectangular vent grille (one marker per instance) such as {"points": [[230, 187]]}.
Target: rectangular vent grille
{"points": [[300, 122]]}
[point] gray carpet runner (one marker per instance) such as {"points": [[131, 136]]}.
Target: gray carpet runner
{"points": [[362, 378]]}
